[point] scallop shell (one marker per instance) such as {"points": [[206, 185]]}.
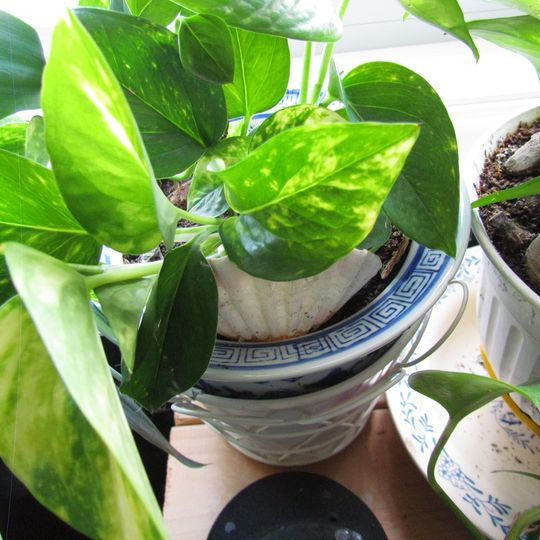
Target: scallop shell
{"points": [[254, 309]]}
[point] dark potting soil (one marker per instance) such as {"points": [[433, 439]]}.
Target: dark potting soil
{"points": [[510, 225]]}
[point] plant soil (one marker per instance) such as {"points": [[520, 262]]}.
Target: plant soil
{"points": [[510, 225]]}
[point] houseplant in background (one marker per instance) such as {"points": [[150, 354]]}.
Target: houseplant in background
{"points": [[124, 105], [505, 222]]}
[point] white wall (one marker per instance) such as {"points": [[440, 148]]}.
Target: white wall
{"points": [[375, 24]]}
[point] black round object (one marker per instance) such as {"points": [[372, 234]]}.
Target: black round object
{"points": [[296, 506]]}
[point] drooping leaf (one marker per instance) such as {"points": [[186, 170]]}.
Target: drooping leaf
{"points": [[12, 137], [140, 423], [96, 150], [177, 114], [21, 65], [206, 196], [424, 202], [35, 148], [309, 195], [461, 394], [85, 460], [33, 212], [160, 12], [526, 189], [518, 34], [123, 304], [379, 234], [206, 48], [301, 19], [261, 73], [290, 117], [444, 14], [178, 329]]}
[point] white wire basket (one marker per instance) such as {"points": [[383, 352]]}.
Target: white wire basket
{"points": [[311, 427]]}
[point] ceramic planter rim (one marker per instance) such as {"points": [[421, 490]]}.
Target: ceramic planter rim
{"points": [[392, 332], [478, 155]]}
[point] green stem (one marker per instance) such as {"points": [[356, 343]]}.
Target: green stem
{"points": [[184, 174], [305, 72], [87, 269], [524, 520], [123, 272], [185, 234], [245, 125], [198, 219], [325, 62], [443, 439]]}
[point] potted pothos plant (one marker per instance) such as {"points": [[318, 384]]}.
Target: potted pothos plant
{"points": [[126, 101]]}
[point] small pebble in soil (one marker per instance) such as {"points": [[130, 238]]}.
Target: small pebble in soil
{"points": [[526, 159], [532, 261]]}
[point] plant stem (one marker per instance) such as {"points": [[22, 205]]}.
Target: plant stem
{"points": [[198, 219], [183, 235], [305, 72], [123, 272], [325, 62], [245, 125]]}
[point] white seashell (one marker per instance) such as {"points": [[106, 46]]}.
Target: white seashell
{"points": [[254, 309]]}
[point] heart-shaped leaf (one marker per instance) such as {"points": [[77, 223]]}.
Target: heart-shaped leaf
{"points": [[178, 329], [446, 15], [261, 73], [86, 460], [21, 65], [424, 202], [123, 304], [290, 117], [33, 212], [309, 195], [159, 11], [519, 34], [206, 196], [104, 175], [35, 148], [302, 19], [206, 48], [461, 394], [178, 114], [379, 234]]}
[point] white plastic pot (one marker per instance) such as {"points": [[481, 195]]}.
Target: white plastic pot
{"points": [[508, 310]]}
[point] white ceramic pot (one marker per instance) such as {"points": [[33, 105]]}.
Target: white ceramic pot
{"points": [[508, 310]]}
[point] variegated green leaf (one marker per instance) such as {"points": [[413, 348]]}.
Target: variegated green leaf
{"points": [[105, 177], [206, 196], [35, 148], [261, 73], [123, 304], [177, 113], [424, 202], [206, 48], [309, 195], [13, 137], [33, 212], [298, 19], [94, 3], [160, 12], [86, 461], [519, 34], [21, 65], [446, 15], [290, 117], [178, 329]]}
